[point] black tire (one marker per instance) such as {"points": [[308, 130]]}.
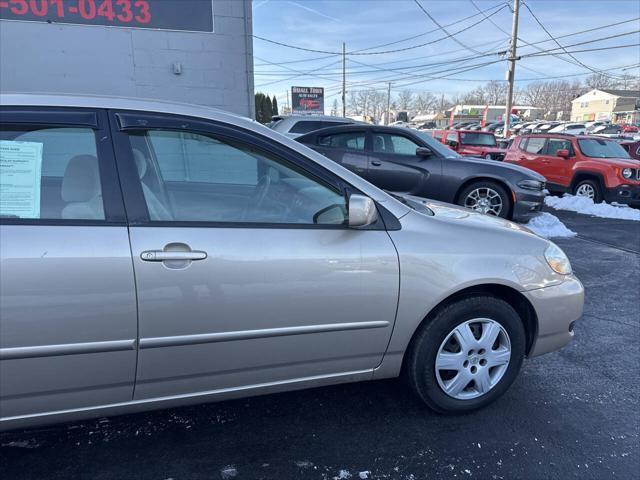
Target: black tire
{"points": [[504, 194], [421, 356], [598, 196]]}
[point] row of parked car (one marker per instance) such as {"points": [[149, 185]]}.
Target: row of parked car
{"points": [[597, 127], [426, 163]]}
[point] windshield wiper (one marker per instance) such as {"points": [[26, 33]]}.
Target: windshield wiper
{"points": [[400, 198]]}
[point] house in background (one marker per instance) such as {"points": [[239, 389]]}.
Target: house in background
{"points": [[619, 106]]}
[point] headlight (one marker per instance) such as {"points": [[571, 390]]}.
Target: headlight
{"points": [[531, 184], [627, 172], [557, 259]]}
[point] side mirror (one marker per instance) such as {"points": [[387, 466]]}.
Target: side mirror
{"points": [[564, 153], [453, 144], [362, 211], [423, 152]]}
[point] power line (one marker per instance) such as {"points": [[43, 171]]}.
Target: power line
{"points": [[448, 35], [547, 52], [427, 33], [542, 54], [475, 5], [558, 43], [293, 61], [528, 44], [300, 74], [360, 52]]}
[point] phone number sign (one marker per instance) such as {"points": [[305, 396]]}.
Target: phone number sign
{"points": [[185, 15]]}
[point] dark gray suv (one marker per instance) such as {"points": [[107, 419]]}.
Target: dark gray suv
{"points": [[412, 162]]}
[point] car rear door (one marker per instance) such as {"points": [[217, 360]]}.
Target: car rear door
{"points": [[68, 321], [345, 148], [529, 153], [394, 165], [240, 283]]}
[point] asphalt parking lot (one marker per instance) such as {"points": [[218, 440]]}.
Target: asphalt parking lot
{"points": [[571, 414]]}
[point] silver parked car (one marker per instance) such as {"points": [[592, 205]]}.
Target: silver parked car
{"points": [[155, 255], [295, 125]]}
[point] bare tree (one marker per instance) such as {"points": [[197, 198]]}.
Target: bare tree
{"points": [[533, 93], [352, 103], [598, 80], [378, 104], [495, 92], [628, 82], [405, 99], [424, 102], [334, 108]]}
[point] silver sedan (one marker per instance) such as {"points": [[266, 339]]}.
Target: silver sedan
{"points": [[155, 255]]}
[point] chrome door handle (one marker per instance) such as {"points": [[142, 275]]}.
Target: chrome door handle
{"points": [[376, 163], [161, 255]]}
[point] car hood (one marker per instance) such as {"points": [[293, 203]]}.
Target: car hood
{"points": [[507, 166], [484, 148], [464, 215], [619, 162]]}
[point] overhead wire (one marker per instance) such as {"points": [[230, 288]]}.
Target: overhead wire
{"points": [[555, 40]]}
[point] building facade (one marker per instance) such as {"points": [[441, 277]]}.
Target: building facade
{"points": [[618, 106], [196, 51]]}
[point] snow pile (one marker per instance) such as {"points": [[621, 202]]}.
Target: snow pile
{"points": [[547, 225], [586, 206]]}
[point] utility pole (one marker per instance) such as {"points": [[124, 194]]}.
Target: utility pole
{"points": [[344, 79], [386, 122], [288, 107], [512, 67]]}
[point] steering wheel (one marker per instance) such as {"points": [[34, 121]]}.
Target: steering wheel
{"points": [[259, 194]]}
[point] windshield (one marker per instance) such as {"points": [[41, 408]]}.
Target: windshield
{"points": [[599, 148], [487, 139], [436, 146]]}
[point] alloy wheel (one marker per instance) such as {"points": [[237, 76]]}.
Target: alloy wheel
{"points": [[586, 190], [473, 358], [484, 200]]}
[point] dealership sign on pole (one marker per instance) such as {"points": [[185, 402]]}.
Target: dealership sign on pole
{"points": [[307, 100]]}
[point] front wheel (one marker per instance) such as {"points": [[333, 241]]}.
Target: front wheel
{"points": [[467, 355], [486, 197], [589, 189]]}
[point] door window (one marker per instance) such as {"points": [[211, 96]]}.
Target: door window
{"points": [[535, 145], [351, 140], [555, 144], [452, 139], [394, 144], [189, 177], [49, 173]]}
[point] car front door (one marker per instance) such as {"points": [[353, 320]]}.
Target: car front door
{"points": [[394, 166], [345, 148], [247, 275], [68, 321], [557, 169]]}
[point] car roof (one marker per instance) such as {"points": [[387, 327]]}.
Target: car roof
{"points": [[462, 130], [120, 103], [314, 117], [561, 134], [355, 126]]}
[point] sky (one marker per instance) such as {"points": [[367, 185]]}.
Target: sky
{"points": [[367, 25]]}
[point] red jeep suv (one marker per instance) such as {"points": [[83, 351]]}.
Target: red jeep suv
{"points": [[588, 166], [471, 143]]}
